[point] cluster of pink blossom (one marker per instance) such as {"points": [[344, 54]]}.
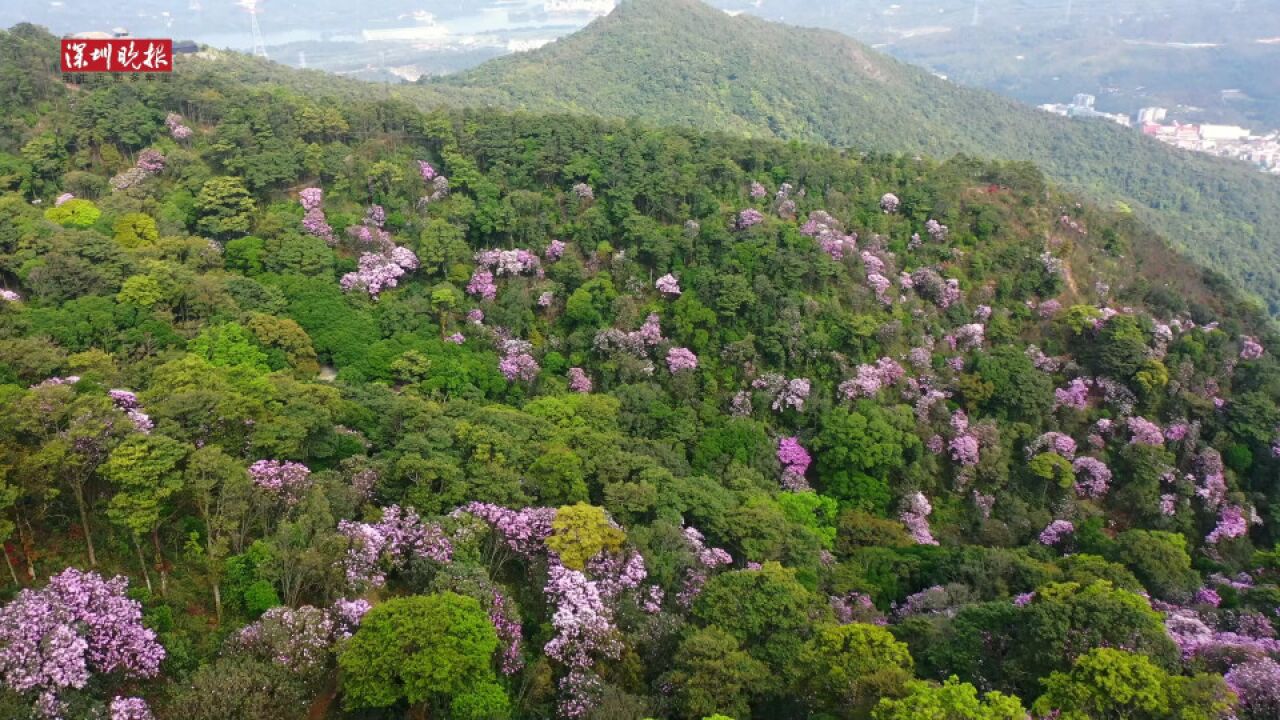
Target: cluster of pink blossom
{"points": [[937, 231], [584, 632], [177, 130], [916, 518], [523, 531], [873, 263], [129, 708], [378, 271], [1145, 432], [9, 296], [982, 313], [502, 613], [1177, 430], [1250, 636], [63, 199], [668, 285], [1024, 599], [394, 541], [706, 560], [1257, 684], [785, 393], [889, 203], [984, 503], [929, 285], [965, 449], [149, 163], [929, 398], [1250, 348], [795, 462], [314, 221], [1116, 394], [55, 381], [617, 572], [510, 262], [1213, 486], [871, 379], [288, 480], [554, 251], [1231, 524], [1075, 395], [635, 343], [749, 218], [456, 339], [1042, 362], [681, 360], [348, 614], [855, 607], [426, 171], [1052, 265], [1056, 531], [80, 624], [1093, 477], [971, 336], [830, 235], [579, 381], [935, 600], [757, 190], [584, 191], [127, 402], [545, 299], [482, 284], [300, 639], [516, 363], [1049, 308], [1053, 442]]}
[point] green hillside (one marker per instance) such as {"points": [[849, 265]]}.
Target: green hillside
{"points": [[683, 62]]}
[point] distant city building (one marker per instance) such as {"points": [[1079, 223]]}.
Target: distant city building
{"points": [[1223, 132], [1083, 100], [1152, 115]]}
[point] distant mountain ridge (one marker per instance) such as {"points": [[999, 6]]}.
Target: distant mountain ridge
{"points": [[683, 62]]}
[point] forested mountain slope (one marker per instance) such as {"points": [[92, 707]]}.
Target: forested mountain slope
{"points": [[683, 62], [379, 413]]}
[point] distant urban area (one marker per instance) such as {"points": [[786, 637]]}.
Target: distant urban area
{"points": [[1229, 141]]}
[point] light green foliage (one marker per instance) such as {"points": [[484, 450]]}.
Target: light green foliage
{"points": [[767, 610], [850, 667], [581, 531], [953, 700], [135, 230], [141, 290], [1107, 683], [229, 345], [712, 674], [432, 651], [146, 472], [74, 214], [1052, 467], [814, 511]]}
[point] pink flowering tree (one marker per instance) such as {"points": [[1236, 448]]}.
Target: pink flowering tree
{"points": [[54, 640], [916, 517], [681, 360], [392, 543], [668, 285], [287, 480], [795, 462]]}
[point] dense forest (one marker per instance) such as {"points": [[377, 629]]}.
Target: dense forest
{"points": [[314, 408]]}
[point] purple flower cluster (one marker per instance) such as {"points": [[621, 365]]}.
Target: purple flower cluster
{"points": [[785, 393], [502, 613], [1231, 524], [127, 402], [523, 531], [855, 607], [456, 339], [916, 518], [482, 284], [680, 360], [584, 630], [971, 336], [177, 130], [149, 163], [426, 171], [1053, 442], [129, 708], [348, 614], [871, 379], [1056, 531], [314, 222], [516, 363], [1075, 395], [668, 285], [584, 191], [378, 271], [79, 624], [889, 203], [287, 480], [749, 217], [830, 235], [1257, 684], [795, 462], [63, 199], [1213, 486], [1250, 348], [9, 296], [554, 251], [635, 343], [757, 190], [965, 449], [395, 540], [1093, 477], [937, 231], [299, 639], [509, 262], [579, 381], [1145, 432], [706, 559], [880, 285]]}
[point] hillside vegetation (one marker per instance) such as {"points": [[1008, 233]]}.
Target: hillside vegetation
{"points": [[375, 413]]}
